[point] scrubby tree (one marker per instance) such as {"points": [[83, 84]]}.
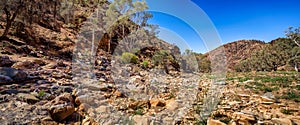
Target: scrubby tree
{"points": [[204, 64], [11, 9], [124, 17], [270, 58], [28, 12]]}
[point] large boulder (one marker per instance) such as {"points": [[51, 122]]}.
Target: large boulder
{"points": [[61, 107]]}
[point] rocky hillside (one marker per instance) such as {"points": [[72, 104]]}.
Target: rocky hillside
{"points": [[38, 78], [239, 50]]}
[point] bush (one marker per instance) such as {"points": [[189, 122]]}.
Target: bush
{"points": [[128, 57], [159, 56]]}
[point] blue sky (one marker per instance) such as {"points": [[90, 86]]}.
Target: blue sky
{"points": [[233, 19]]}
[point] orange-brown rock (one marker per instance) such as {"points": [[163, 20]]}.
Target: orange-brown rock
{"points": [[157, 102], [172, 104], [61, 107], [214, 122]]}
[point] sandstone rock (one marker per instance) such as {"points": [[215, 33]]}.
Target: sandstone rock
{"points": [[83, 107], [28, 97], [48, 121], [244, 116], [102, 109], [25, 65], [243, 122], [135, 104], [282, 121], [61, 107], [232, 123], [296, 121], [267, 116], [86, 99], [89, 121], [12, 74], [214, 122], [102, 80], [267, 98], [172, 104], [157, 102], [141, 120], [118, 94], [39, 62], [5, 61]]}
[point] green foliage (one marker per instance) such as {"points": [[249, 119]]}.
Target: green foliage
{"points": [[243, 79], [138, 112], [268, 89], [204, 63], [286, 111], [194, 62], [159, 57], [274, 55], [145, 64], [292, 95], [41, 93], [294, 35], [298, 87], [128, 57], [225, 120]]}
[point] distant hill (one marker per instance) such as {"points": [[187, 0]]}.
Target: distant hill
{"points": [[238, 50]]}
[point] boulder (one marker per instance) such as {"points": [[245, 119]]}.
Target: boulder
{"points": [[61, 107], [11, 74], [141, 120], [27, 97]]}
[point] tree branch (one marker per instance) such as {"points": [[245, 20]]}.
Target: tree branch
{"points": [[296, 42]]}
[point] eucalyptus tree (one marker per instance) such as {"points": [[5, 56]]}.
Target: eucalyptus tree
{"points": [[27, 12], [125, 21], [294, 34]]}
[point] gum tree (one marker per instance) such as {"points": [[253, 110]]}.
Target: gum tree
{"points": [[11, 9], [294, 34], [27, 12], [125, 17]]}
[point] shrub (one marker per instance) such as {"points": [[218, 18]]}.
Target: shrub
{"points": [[145, 64], [159, 56], [41, 94], [138, 112], [291, 95], [286, 111], [128, 57]]}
